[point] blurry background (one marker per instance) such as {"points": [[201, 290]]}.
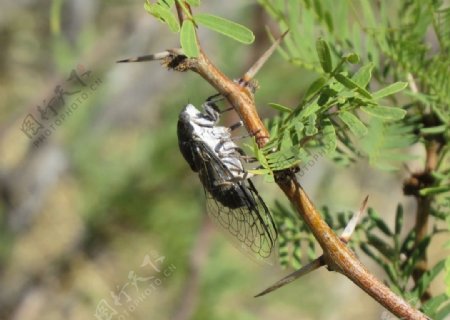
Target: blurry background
{"points": [[102, 218]]}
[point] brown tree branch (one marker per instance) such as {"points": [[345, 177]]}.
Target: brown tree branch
{"points": [[320, 261], [337, 256], [423, 210], [417, 181]]}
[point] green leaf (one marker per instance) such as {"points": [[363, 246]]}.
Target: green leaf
{"points": [[352, 58], [308, 110], [366, 249], [260, 155], [280, 107], [299, 126], [323, 51], [329, 136], [168, 3], [431, 306], [408, 243], [350, 84], [443, 312], [434, 130], [391, 89], [296, 261], [385, 249], [434, 190], [383, 142], [188, 39], [353, 123], [310, 128], [315, 87], [286, 158], [363, 75], [194, 3], [425, 280], [391, 272], [373, 215], [164, 14], [226, 27], [387, 113], [416, 255], [399, 219]]}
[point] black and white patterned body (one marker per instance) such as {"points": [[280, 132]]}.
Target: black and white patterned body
{"points": [[232, 199]]}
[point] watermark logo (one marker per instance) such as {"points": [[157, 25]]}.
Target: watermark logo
{"points": [[314, 158], [127, 297], [41, 123]]}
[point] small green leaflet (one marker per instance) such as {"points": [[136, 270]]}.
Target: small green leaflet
{"points": [[431, 306], [188, 40], [167, 3], [308, 110], [391, 89], [323, 51], [387, 113], [363, 75], [329, 136], [315, 87], [226, 27], [434, 190], [164, 14], [310, 128], [399, 220], [194, 3], [298, 127], [260, 155], [434, 130], [350, 84], [352, 58], [280, 107], [353, 123], [424, 282], [384, 142], [286, 158], [375, 217]]}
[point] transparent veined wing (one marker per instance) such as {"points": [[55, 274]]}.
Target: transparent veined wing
{"points": [[236, 206]]}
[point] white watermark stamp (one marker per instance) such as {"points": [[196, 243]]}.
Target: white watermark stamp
{"points": [[140, 285], [67, 97]]}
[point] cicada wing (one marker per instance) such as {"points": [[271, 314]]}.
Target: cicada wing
{"points": [[237, 208]]}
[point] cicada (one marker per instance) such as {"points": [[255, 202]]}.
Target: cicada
{"points": [[231, 197]]}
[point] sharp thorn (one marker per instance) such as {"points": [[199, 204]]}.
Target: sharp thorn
{"points": [[250, 74], [150, 57], [313, 265], [351, 225]]}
